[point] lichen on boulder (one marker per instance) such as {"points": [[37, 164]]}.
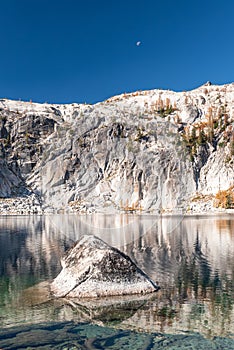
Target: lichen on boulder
{"points": [[92, 269]]}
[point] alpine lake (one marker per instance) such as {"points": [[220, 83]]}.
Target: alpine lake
{"points": [[190, 257]]}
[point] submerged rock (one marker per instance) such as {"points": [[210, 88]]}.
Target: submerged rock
{"points": [[92, 268]]}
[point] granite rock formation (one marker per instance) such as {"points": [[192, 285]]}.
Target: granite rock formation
{"points": [[148, 151], [92, 269]]}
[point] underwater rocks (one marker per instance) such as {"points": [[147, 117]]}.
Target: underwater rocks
{"points": [[92, 269], [70, 335]]}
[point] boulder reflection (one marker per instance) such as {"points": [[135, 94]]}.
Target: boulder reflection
{"points": [[191, 258]]}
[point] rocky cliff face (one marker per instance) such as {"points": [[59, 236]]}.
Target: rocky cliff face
{"points": [[146, 151]]}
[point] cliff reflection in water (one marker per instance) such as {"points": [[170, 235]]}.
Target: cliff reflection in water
{"points": [[192, 259]]}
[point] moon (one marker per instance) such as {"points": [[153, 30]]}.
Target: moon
{"points": [[138, 43]]}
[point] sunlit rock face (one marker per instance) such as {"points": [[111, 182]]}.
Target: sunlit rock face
{"points": [[147, 151], [93, 269]]}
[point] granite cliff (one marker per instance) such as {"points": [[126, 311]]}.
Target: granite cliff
{"points": [[147, 151]]}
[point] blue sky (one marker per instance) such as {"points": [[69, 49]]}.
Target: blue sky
{"points": [[85, 50]]}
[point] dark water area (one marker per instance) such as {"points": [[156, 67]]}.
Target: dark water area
{"points": [[191, 258]]}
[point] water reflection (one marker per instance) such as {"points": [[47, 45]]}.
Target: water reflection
{"points": [[192, 259]]}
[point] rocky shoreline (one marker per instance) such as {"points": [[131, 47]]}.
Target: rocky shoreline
{"points": [[31, 205], [27, 205]]}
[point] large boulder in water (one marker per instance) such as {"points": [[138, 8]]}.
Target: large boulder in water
{"points": [[92, 268]]}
